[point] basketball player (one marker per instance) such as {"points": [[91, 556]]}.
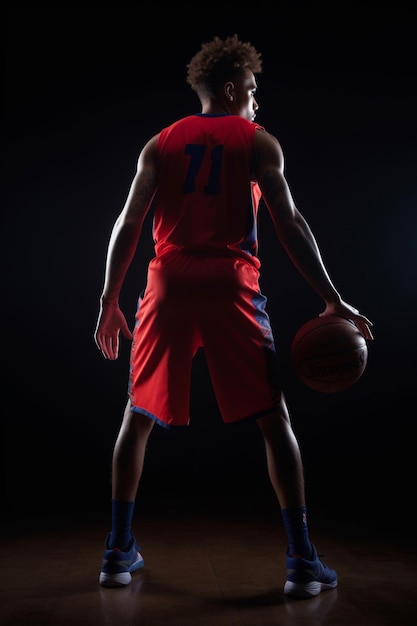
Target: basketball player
{"points": [[204, 176]]}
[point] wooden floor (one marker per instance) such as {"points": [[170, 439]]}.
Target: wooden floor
{"points": [[219, 566]]}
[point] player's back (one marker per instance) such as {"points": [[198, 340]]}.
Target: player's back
{"points": [[206, 201]]}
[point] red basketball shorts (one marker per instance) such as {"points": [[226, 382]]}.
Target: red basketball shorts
{"points": [[193, 302]]}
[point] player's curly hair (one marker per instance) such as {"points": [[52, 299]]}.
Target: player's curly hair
{"points": [[219, 60]]}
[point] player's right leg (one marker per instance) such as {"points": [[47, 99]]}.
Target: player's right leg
{"points": [[122, 554]]}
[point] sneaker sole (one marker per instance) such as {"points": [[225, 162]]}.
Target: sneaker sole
{"points": [[121, 579], [114, 580], [307, 590]]}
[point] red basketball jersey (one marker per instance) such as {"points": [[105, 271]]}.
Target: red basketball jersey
{"points": [[207, 201]]}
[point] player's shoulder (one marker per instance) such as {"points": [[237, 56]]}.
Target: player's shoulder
{"points": [[268, 148], [264, 137]]}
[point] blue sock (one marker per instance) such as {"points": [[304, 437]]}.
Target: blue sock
{"points": [[121, 518], [295, 524]]}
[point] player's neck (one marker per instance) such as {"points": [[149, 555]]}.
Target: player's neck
{"points": [[211, 108]]}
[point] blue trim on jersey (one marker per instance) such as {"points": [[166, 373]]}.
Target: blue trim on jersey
{"points": [[251, 238], [213, 114]]}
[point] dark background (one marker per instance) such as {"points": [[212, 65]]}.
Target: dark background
{"points": [[84, 88]]}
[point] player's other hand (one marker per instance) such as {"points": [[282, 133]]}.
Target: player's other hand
{"points": [[343, 309], [110, 322]]}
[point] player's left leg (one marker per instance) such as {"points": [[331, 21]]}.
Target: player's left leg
{"points": [[307, 575]]}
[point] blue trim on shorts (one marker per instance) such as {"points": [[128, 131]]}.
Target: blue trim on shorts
{"points": [[259, 302], [254, 417], [138, 409]]}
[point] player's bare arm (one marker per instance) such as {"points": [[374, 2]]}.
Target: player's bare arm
{"points": [[294, 233], [127, 228], [292, 229], [122, 246]]}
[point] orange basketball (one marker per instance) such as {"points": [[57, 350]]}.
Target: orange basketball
{"points": [[329, 354]]}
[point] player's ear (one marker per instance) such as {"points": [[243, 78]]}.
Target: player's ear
{"points": [[228, 90]]}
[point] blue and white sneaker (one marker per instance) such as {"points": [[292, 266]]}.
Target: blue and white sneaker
{"points": [[117, 565], [306, 579]]}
